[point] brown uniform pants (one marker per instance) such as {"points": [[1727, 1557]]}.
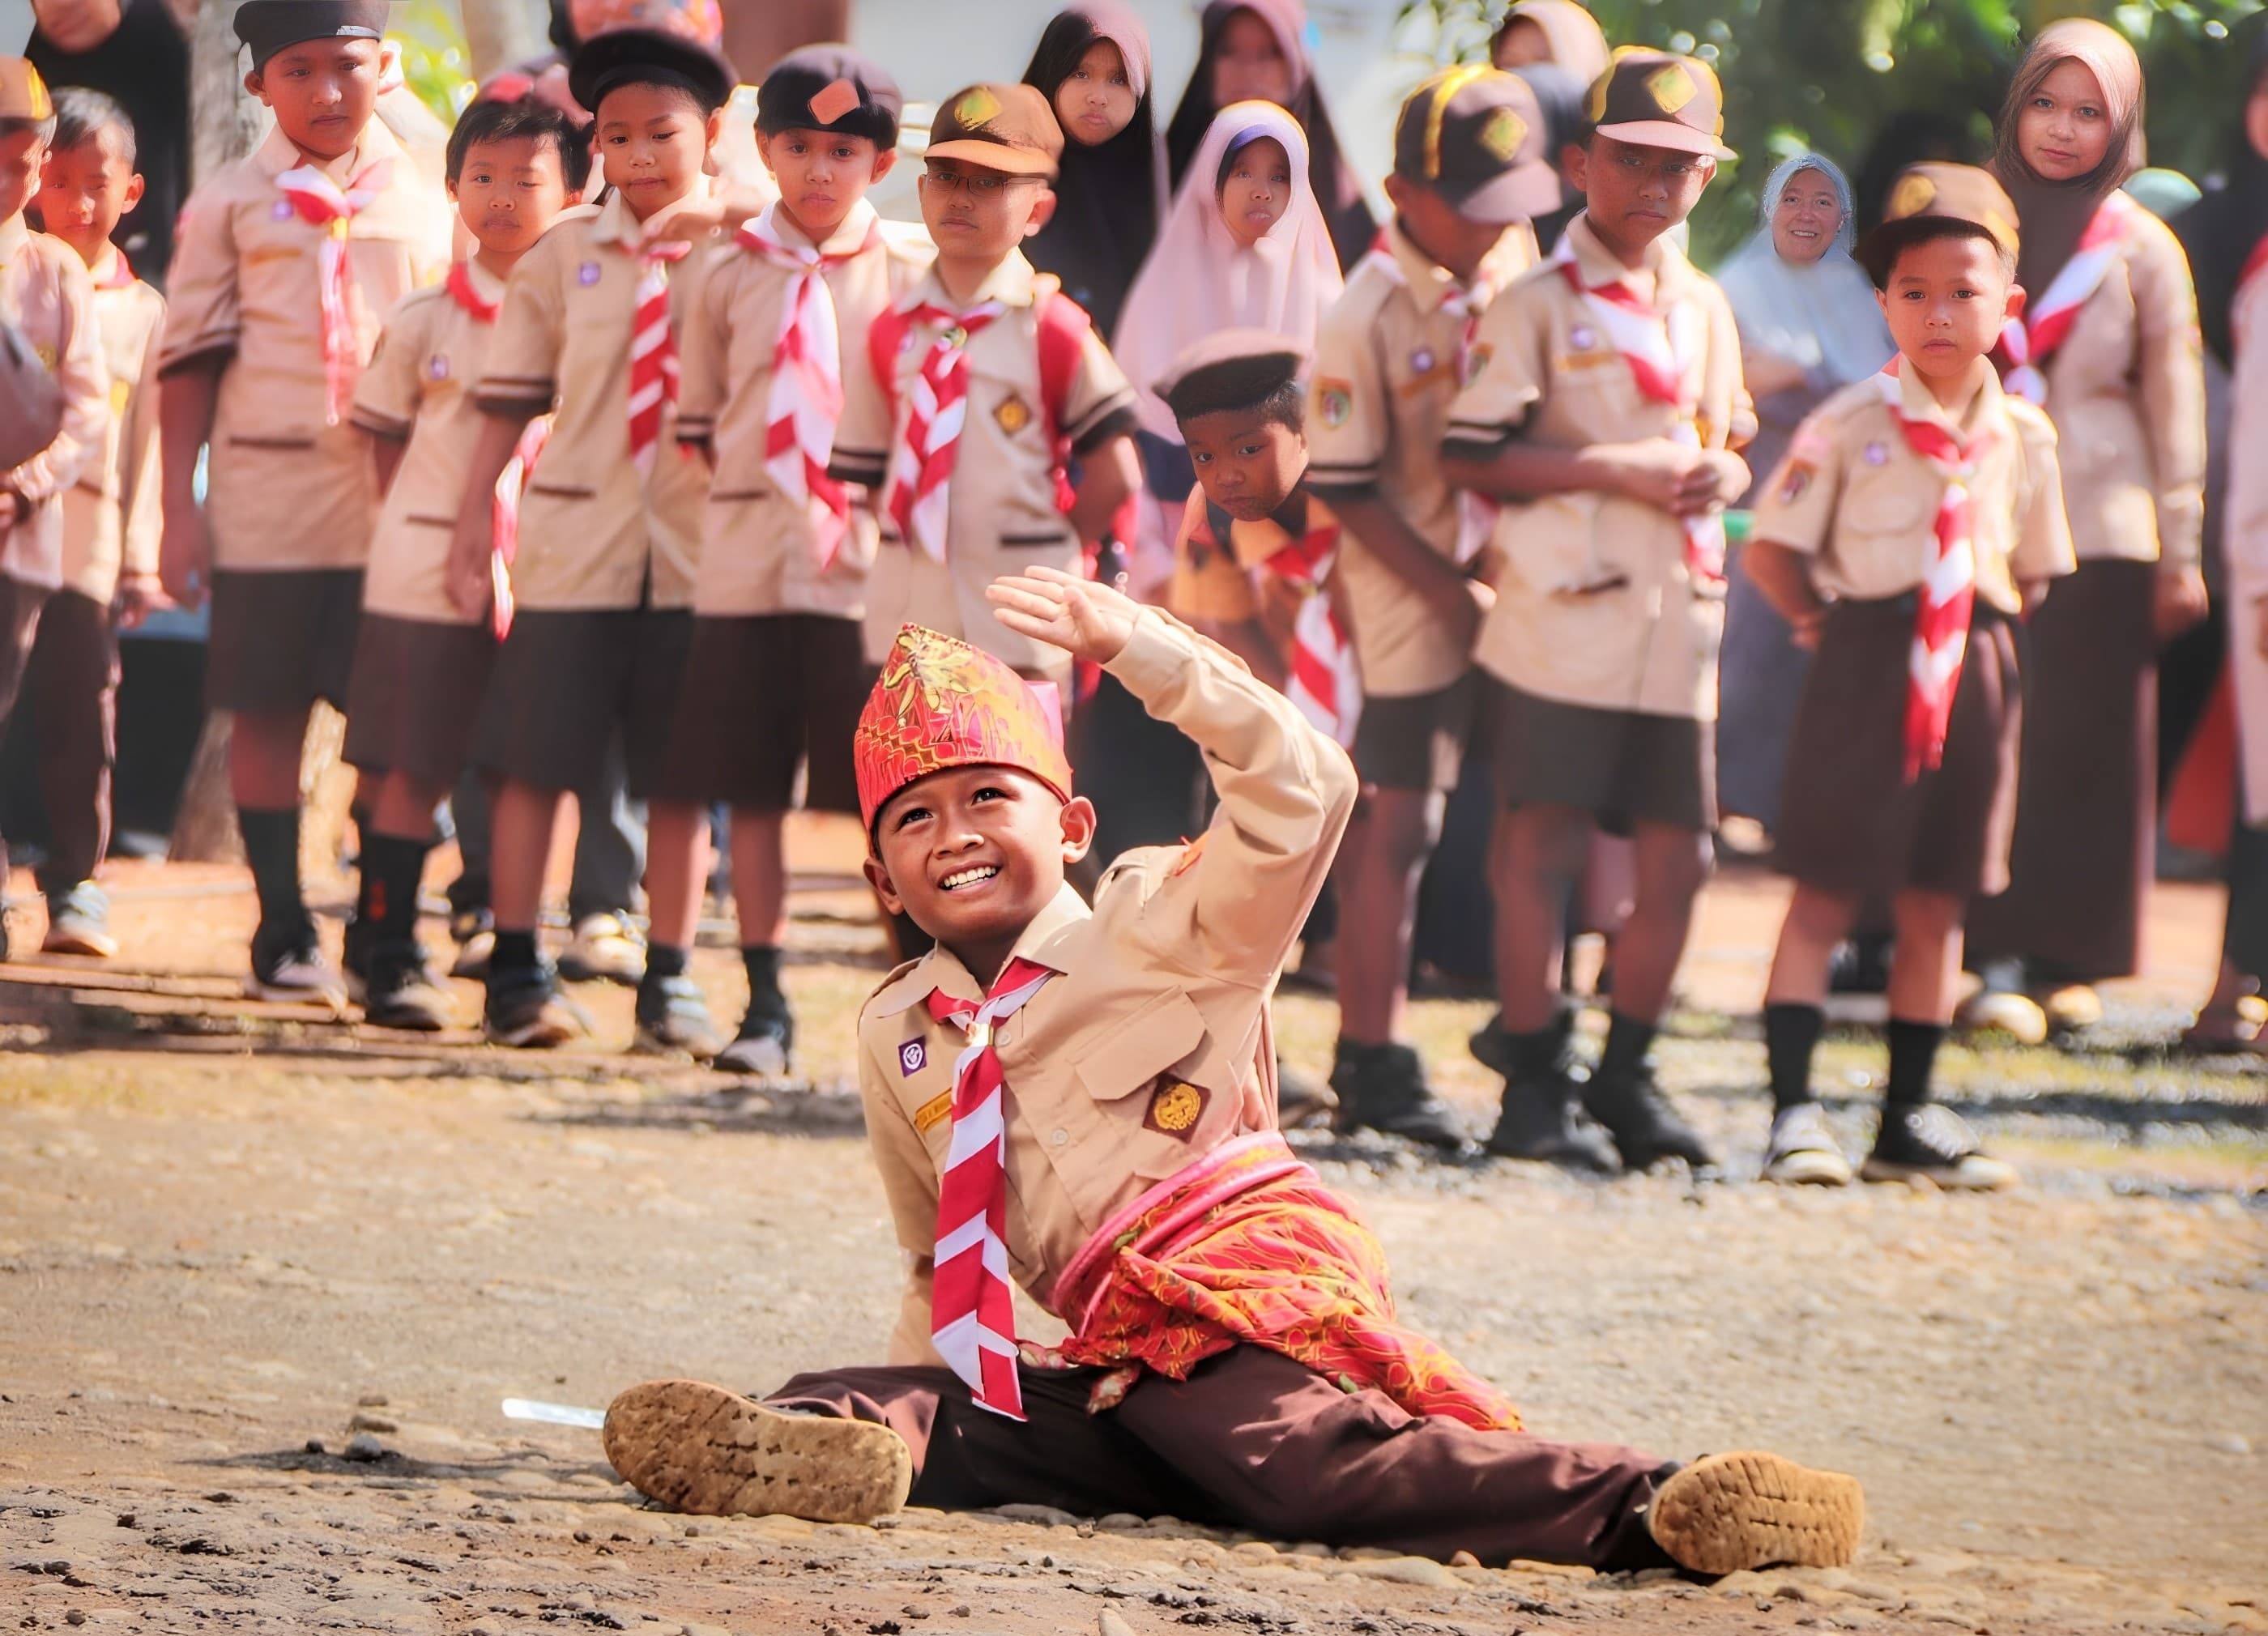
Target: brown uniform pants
{"points": [[19, 625], [1253, 1439], [74, 681]]}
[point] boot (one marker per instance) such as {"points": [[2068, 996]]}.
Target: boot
{"points": [[1538, 1120], [1382, 1087]]}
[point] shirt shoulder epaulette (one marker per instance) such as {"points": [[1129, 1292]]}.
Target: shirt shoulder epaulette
{"points": [[1369, 287]]}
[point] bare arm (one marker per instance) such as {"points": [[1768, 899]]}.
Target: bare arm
{"points": [[1108, 473], [1384, 534], [385, 454], [187, 395], [1671, 476], [1783, 575], [476, 536]]}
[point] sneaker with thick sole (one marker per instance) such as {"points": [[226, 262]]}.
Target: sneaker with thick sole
{"points": [[766, 1041], [1933, 1144], [2018, 1016], [1802, 1151], [473, 932], [605, 948], [288, 965], [525, 1010], [1382, 1087], [705, 1451], [79, 923], [2071, 1007], [401, 991], [1726, 1512], [1644, 1122], [672, 1018], [1539, 1120]]}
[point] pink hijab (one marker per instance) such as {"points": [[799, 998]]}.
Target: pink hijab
{"points": [[1198, 280]]}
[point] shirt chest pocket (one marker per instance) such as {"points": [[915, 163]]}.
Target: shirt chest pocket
{"points": [[1159, 1086], [1890, 500]]}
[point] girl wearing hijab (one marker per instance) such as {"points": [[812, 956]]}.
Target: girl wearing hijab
{"points": [[1560, 32], [1257, 50], [2107, 345], [1093, 65], [1809, 326]]}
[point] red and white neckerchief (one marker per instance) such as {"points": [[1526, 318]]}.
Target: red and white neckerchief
{"points": [[1325, 683], [654, 351], [805, 401], [921, 468], [467, 295], [122, 275], [2027, 341], [972, 1303], [1477, 514], [503, 518], [1658, 347], [320, 200], [1947, 594]]}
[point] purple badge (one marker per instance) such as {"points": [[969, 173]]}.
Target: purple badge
{"points": [[587, 274], [1878, 455], [913, 1057], [1582, 338], [1421, 362], [437, 366], [280, 210]]}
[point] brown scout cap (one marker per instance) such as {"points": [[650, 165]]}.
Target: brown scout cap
{"points": [[1657, 101], [271, 26], [1002, 127], [23, 93], [1474, 135], [1925, 198]]}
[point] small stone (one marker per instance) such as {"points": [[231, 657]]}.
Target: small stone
{"points": [[371, 1400], [1110, 1625], [72, 1616], [372, 1423], [314, 1446], [1464, 1560], [582, 1536], [1120, 1521], [362, 1446], [1410, 1570], [1047, 1516], [58, 1567], [2229, 1444]]}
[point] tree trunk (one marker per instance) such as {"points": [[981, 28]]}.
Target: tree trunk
{"points": [[502, 33], [225, 120]]}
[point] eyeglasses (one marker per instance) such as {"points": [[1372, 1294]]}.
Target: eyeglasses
{"points": [[981, 184]]}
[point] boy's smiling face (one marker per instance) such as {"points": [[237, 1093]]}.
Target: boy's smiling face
{"points": [[322, 92], [1247, 461], [653, 141], [822, 174], [509, 192], [84, 189]]}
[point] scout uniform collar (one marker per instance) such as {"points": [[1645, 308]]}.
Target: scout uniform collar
{"points": [[1665, 265], [1980, 400], [617, 223], [1043, 943], [1431, 283], [1013, 283], [848, 239], [278, 153]]}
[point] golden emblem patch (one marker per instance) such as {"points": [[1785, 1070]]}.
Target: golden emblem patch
{"points": [[1334, 402], [1012, 414], [1503, 134], [1476, 362], [1797, 479], [1911, 197], [933, 1112], [1671, 87], [1175, 1107], [976, 109]]}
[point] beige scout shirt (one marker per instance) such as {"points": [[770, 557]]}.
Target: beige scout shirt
{"points": [[1165, 984], [2244, 537], [2126, 391], [757, 551], [112, 518], [1385, 374], [1002, 517], [1853, 495], [593, 533], [46, 293], [1548, 374], [283, 489], [419, 387]]}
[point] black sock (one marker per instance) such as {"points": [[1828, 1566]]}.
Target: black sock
{"points": [[762, 961], [1791, 1034], [515, 952], [271, 846], [1628, 1041], [391, 869], [664, 959], [1913, 1058]]}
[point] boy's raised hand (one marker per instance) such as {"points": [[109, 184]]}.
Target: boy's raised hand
{"points": [[1087, 620]]}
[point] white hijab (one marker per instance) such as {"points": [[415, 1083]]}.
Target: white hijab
{"points": [[1823, 316], [1198, 280]]}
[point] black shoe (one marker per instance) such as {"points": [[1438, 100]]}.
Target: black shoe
{"points": [[524, 1010], [1538, 1120], [766, 1040], [1932, 1143], [357, 950], [401, 991], [1646, 1125], [288, 965], [1382, 1087], [673, 1017]]}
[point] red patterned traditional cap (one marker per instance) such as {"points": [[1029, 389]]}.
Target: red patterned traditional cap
{"points": [[940, 703]]}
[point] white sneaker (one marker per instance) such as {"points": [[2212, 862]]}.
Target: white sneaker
{"points": [[1802, 1151], [2017, 1015], [605, 948]]}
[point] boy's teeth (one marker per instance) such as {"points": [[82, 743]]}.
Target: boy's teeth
{"points": [[983, 872]]}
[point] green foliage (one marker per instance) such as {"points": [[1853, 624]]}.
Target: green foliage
{"points": [[434, 58], [1825, 74]]}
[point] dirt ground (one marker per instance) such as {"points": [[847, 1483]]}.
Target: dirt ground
{"points": [[234, 1238]]}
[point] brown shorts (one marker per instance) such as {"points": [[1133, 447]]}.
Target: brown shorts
{"points": [[20, 630], [416, 696], [282, 639], [566, 680], [1623, 767], [1849, 820], [763, 697], [1418, 741]]}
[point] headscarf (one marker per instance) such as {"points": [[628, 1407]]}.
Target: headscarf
{"points": [[1561, 96], [1110, 197], [1821, 315], [2221, 229], [1578, 43], [2051, 216], [1336, 186], [1199, 281]]}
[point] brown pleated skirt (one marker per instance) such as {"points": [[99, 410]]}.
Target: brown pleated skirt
{"points": [[2087, 811]]}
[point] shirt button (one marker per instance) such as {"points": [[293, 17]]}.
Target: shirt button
{"points": [[1059, 1138]]}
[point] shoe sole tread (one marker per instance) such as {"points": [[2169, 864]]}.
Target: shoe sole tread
{"points": [[1749, 1509], [702, 1450]]}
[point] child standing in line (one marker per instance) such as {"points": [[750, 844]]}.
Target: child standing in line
{"points": [[980, 386], [46, 294], [1603, 415], [286, 264], [1469, 170], [110, 524], [421, 664], [1918, 512], [777, 671], [609, 531]]}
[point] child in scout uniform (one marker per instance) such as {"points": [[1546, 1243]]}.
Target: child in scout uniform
{"points": [[777, 671], [286, 264], [609, 530], [1469, 170], [109, 525], [422, 665], [979, 388], [1602, 413], [1918, 515], [45, 293], [1084, 1102]]}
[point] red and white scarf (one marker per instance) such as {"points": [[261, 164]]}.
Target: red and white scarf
{"points": [[1947, 594], [1659, 349], [2029, 340], [972, 1302], [322, 201], [466, 294], [805, 401], [1325, 682], [921, 468], [653, 352]]}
